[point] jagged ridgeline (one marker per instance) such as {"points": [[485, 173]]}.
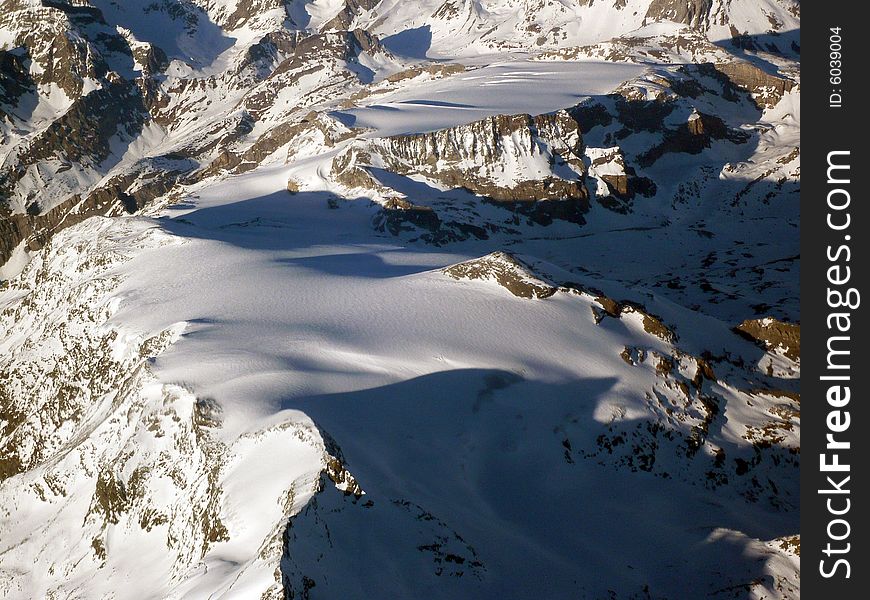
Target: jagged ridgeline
{"points": [[108, 108], [399, 298]]}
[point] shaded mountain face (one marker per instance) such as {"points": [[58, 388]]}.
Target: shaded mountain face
{"points": [[463, 298]]}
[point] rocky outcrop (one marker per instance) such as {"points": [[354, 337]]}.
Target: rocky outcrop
{"points": [[620, 180], [315, 132], [116, 88], [15, 81], [397, 214], [248, 10], [127, 192], [495, 144], [70, 42], [350, 10], [152, 59], [532, 165], [765, 88], [32, 229], [694, 13], [46, 393], [439, 69], [281, 58], [506, 270], [66, 51], [83, 134], [773, 335], [692, 137]]}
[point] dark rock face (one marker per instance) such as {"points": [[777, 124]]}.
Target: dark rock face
{"points": [[642, 115], [692, 137], [475, 157], [351, 9], [15, 81], [590, 115], [248, 9], [397, 214], [545, 211], [152, 58], [621, 180], [82, 136], [694, 13], [123, 193], [116, 86], [134, 191], [83, 133], [68, 45], [624, 188], [298, 54], [73, 48], [37, 229], [70, 41]]}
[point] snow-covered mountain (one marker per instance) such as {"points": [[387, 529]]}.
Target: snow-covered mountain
{"points": [[380, 298]]}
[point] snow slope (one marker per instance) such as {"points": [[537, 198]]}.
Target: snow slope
{"points": [[440, 415]]}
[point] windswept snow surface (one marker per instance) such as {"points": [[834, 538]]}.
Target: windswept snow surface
{"points": [[452, 401], [505, 88]]}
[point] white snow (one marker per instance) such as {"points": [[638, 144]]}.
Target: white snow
{"points": [[501, 88], [462, 409]]}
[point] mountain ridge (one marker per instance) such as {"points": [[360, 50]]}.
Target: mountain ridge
{"points": [[365, 297]]}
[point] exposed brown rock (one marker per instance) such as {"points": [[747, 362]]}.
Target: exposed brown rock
{"points": [[694, 13], [37, 229], [791, 544], [467, 156], [773, 334], [435, 69], [110, 497], [123, 193], [693, 137], [766, 88], [350, 10], [510, 273], [248, 9], [82, 135], [151, 57], [651, 323]]}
